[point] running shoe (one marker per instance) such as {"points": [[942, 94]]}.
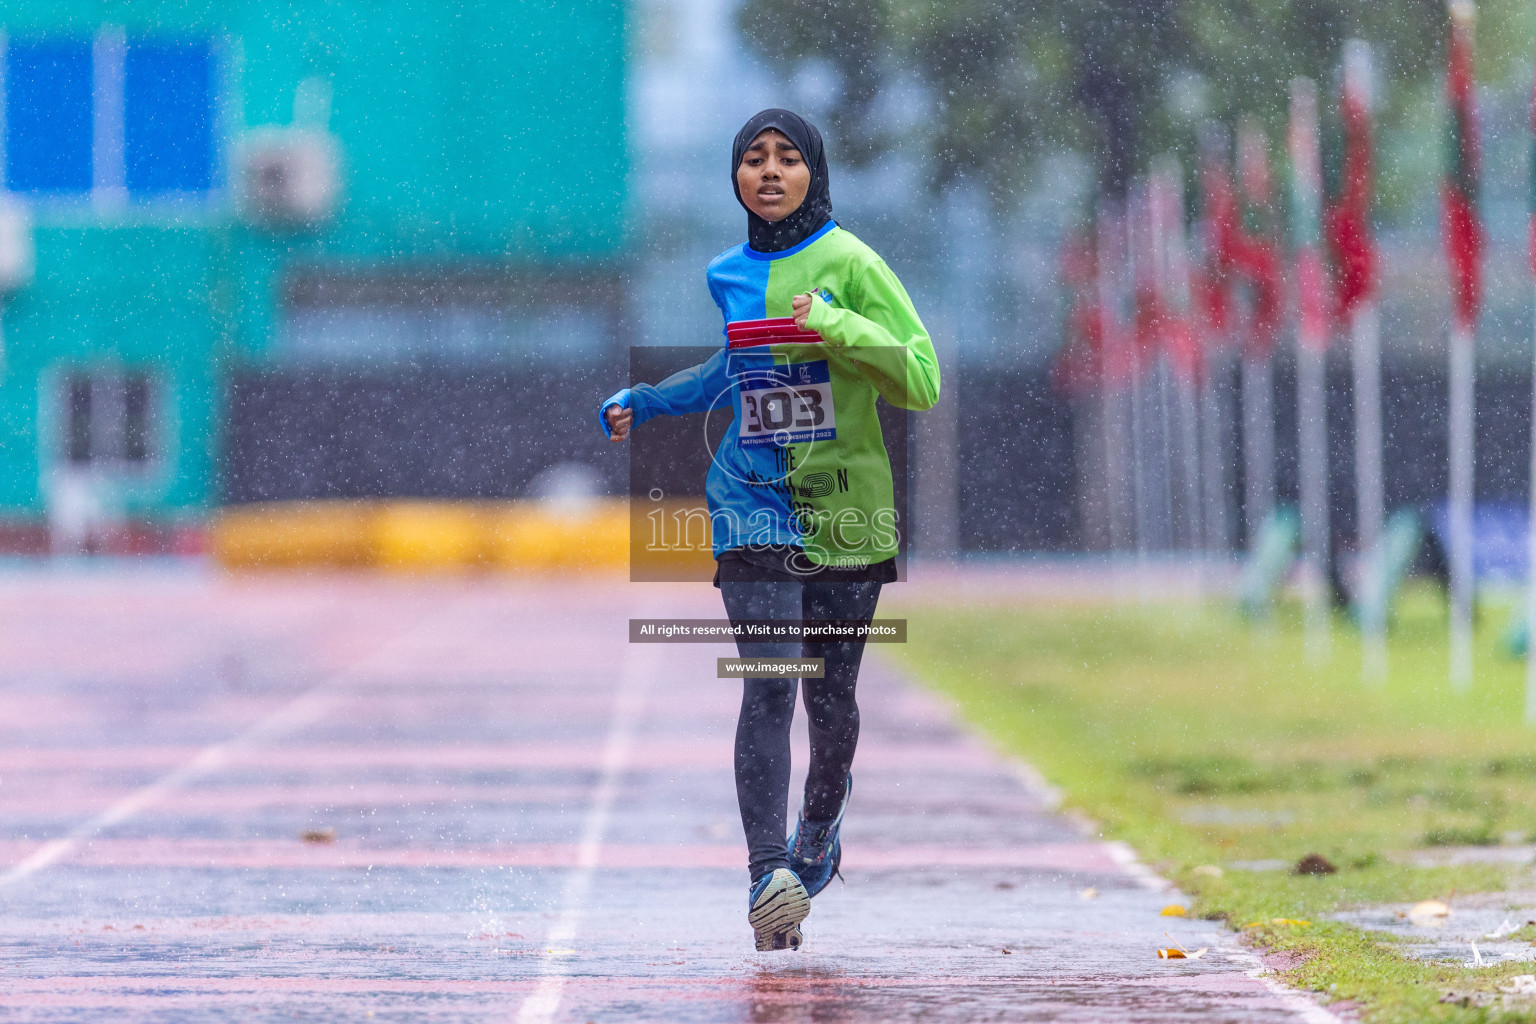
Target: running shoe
{"points": [[776, 905], [816, 848]]}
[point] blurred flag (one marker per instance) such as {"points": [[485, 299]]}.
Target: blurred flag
{"points": [[1174, 327], [1182, 348], [1079, 367], [1349, 220], [1306, 214], [1220, 240], [1147, 302], [1212, 285], [1355, 271], [1119, 353], [1255, 247], [1258, 256], [1463, 231]]}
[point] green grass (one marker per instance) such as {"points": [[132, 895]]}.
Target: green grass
{"points": [[1203, 740]]}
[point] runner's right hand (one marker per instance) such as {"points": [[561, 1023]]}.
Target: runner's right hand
{"points": [[619, 421]]}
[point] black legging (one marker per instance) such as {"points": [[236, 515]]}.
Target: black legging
{"points": [[768, 707]]}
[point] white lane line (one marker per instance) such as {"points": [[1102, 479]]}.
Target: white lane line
{"points": [[301, 711], [1306, 1007], [640, 665]]}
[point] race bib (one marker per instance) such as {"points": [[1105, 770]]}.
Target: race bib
{"points": [[784, 405]]}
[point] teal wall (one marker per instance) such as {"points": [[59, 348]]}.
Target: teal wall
{"points": [[132, 296], [488, 131]]}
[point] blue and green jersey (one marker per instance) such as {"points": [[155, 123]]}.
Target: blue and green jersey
{"points": [[804, 463]]}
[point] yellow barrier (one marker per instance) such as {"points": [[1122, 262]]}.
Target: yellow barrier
{"points": [[291, 534], [529, 536], [426, 536], [671, 541]]}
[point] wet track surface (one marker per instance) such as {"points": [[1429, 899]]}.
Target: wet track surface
{"points": [[533, 821]]}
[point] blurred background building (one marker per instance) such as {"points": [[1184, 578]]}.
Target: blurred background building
{"points": [[310, 250]]}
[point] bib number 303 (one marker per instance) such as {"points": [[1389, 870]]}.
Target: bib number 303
{"points": [[787, 405]]}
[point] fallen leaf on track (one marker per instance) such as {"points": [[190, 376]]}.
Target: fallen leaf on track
{"points": [[1178, 952], [1173, 910]]}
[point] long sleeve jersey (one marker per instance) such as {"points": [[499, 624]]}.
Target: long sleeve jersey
{"points": [[804, 463]]}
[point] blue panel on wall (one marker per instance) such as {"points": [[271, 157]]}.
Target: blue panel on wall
{"points": [[48, 128], [168, 116]]}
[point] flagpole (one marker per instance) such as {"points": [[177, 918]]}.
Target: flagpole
{"points": [[1115, 391], [1180, 348], [1262, 268], [1167, 529], [1140, 458], [1311, 345], [1365, 339], [1311, 412], [1167, 457], [1464, 243], [1116, 430], [1189, 470], [1214, 464], [1460, 519], [1217, 232], [1258, 441], [1078, 374], [1355, 260], [1154, 434]]}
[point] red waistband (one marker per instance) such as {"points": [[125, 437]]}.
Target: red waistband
{"points": [[775, 331]]}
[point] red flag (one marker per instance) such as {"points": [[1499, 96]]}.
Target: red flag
{"points": [[1146, 279], [1175, 328], [1079, 367], [1182, 344], [1306, 215], [1159, 323], [1349, 219], [1119, 361], [1220, 240], [1459, 193], [1256, 249], [1311, 296]]}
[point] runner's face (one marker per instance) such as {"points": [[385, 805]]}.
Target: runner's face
{"points": [[773, 177]]}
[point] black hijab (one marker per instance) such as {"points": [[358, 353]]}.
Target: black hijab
{"points": [[813, 214]]}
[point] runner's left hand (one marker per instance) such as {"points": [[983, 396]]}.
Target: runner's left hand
{"points": [[801, 307]]}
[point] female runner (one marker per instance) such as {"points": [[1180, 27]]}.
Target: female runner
{"points": [[800, 494]]}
